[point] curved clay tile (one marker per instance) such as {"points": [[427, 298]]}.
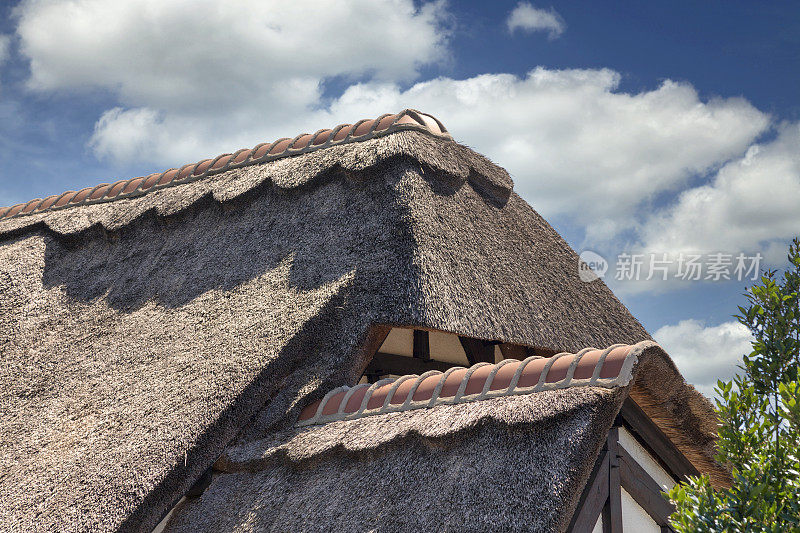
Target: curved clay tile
{"points": [[362, 130], [590, 367]]}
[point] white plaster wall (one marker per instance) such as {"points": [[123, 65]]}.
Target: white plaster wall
{"points": [[399, 341], [645, 460], [446, 347], [634, 518]]}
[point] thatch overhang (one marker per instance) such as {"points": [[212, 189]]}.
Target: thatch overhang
{"points": [[515, 459], [141, 335]]}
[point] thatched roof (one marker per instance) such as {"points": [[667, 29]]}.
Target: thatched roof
{"points": [[140, 335], [513, 461], [507, 464]]}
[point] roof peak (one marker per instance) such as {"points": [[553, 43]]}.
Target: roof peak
{"points": [[365, 129]]}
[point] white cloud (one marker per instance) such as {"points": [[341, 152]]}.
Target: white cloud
{"points": [[705, 354], [188, 87], [751, 204], [575, 145], [528, 18], [229, 69], [180, 54]]}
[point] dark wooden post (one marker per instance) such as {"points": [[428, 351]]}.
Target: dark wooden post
{"points": [[422, 347], [612, 513]]}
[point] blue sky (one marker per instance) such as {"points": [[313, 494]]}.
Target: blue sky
{"points": [[633, 127]]}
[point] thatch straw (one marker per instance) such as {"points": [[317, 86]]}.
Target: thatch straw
{"points": [[139, 336], [505, 464]]}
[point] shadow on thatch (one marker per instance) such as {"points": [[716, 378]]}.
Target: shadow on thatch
{"points": [[276, 394], [213, 246]]}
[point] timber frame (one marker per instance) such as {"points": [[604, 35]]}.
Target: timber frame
{"points": [[615, 469]]}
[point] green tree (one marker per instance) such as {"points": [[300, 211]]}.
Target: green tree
{"points": [[759, 412]]}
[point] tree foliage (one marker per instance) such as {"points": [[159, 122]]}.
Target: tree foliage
{"points": [[759, 412]]}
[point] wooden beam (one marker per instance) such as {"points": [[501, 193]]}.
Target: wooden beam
{"points": [[614, 484], [593, 498], [422, 346], [606, 518], [372, 343], [400, 365], [644, 489], [478, 350], [655, 441]]}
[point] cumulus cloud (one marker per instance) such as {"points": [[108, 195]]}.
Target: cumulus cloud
{"points": [[175, 55], [227, 68], [703, 353], [574, 144], [751, 204], [528, 18], [188, 87]]}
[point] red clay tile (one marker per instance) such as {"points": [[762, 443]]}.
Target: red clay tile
{"points": [[261, 150], [321, 137], [4, 211], [585, 368], [168, 176], [221, 161], [184, 172], [202, 166], [478, 379], [531, 373], [333, 403], [81, 196], [385, 122], [343, 132], [15, 209], [100, 191], [241, 155], [64, 198], [302, 142], [425, 390], [150, 181], [406, 119], [363, 127], [132, 185], [402, 392], [31, 205], [280, 146], [379, 396], [559, 369], [504, 376], [431, 124], [116, 188], [452, 383], [614, 361], [46, 203], [499, 376], [354, 403]]}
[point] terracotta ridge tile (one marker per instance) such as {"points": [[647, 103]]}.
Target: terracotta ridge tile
{"points": [[408, 119], [609, 368]]}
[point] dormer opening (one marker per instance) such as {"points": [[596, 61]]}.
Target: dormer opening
{"points": [[408, 350]]}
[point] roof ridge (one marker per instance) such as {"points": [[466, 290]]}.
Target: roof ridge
{"points": [[362, 130], [590, 367]]}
